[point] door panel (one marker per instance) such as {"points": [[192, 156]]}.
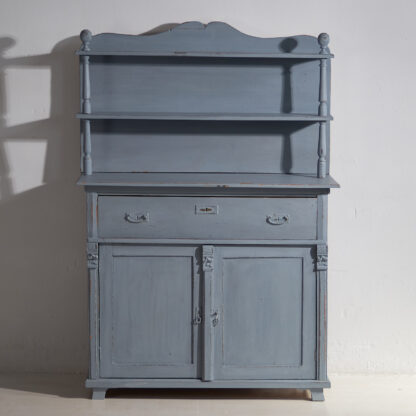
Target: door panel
{"points": [[268, 313], [148, 297]]}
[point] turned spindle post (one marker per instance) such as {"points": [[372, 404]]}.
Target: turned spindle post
{"points": [[87, 148], [322, 150], [323, 40], [86, 100]]}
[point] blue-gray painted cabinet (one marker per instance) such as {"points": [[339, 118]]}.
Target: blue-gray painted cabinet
{"points": [[205, 161]]}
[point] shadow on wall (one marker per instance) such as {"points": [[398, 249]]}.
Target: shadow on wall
{"points": [[43, 285], [43, 278]]}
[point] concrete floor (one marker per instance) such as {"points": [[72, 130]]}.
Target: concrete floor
{"points": [[64, 395]]}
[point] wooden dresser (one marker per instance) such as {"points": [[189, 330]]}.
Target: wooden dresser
{"points": [[205, 161]]}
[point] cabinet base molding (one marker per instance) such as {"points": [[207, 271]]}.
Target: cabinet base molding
{"points": [[99, 386]]}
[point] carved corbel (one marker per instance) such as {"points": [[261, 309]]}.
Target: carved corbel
{"points": [[322, 257], [207, 258]]}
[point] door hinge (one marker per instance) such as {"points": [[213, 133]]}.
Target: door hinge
{"points": [[197, 317], [215, 317]]}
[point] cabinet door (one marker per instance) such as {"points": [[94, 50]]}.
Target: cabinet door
{"points": [[148, 298], [267, 313]]}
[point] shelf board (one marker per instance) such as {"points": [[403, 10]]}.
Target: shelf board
{"points": [[208, 54], [203, 116], [208, 180]]}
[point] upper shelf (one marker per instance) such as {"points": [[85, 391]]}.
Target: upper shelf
{"points": [[216, 39], [300, 56], [203, 116]]}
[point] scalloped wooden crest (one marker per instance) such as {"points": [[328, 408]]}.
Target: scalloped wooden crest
{"points": [[214, 37]]}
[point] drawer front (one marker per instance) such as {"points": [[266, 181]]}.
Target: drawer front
{"points": [[207, 218]]}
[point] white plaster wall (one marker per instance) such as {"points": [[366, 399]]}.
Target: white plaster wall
{"points": [[372, 281]]}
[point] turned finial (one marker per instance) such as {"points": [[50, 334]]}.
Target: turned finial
{"points": [[85, 36], [323, 40]]}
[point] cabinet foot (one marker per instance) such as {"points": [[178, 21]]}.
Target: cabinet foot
{"points": [[317, 395], [98, 394]]}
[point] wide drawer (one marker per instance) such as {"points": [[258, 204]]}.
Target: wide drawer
{"points": [[207, 218]]}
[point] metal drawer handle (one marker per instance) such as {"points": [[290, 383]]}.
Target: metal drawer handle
{"points": [[137, 218], [275, 219]]}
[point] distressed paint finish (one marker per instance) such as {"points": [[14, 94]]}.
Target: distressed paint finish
{"points": [[197, 39], [237, 218], [244, 146], [206, 208], [86, 101], [268, 303], [92, 209], [92, 261], [323, 40], [199, 384], [147, 304], [321, 312], [114, 65], [317, 394], [87, 147], [221, 182], [208, 270]]}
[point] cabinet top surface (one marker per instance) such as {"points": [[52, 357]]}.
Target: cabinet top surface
{"points": [[208, 180], [216, 39]]}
